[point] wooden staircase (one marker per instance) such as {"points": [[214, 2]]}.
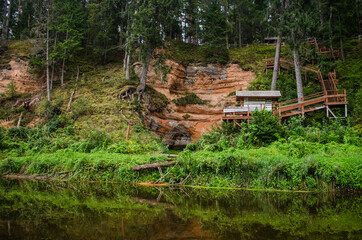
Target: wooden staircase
{"points": [[330, 95], [311, 103]]}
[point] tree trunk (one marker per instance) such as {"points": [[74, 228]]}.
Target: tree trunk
{"points": [[125, 59], [239, 33], [19, 11], [47, 61], [141, 88], [70, 100], [6, 22], [63, 65], [3, 33], [298, 74], [128, 66], [331, 32], [276, 64], [340, 40], [320, 8], [8, 18], [52, 76], [53, 63], [342, 51], [62, 75]]}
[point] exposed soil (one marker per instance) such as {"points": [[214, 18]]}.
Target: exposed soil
{"points": [[18, 71]]}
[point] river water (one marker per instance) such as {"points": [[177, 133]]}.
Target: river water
{"points": [[63, 210]]}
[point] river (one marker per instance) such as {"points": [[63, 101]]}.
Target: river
{"points": [[65, 210]]}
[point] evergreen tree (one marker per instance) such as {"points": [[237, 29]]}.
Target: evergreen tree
{"points": [[69, 26]]}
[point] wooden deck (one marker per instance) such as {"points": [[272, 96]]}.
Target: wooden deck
{"points": [[314, 102]]}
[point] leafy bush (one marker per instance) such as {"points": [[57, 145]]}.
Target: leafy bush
{"points": [[264, 128], [189, 99]]}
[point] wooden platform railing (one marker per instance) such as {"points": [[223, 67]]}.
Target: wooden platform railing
{"points": [[296, 100], [310, 103]]}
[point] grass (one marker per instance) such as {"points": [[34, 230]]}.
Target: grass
{"points": [[325, 166], [321, 167], [98, 166]]}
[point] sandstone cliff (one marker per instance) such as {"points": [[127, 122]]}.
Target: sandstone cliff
{"points": [[179, 125]]}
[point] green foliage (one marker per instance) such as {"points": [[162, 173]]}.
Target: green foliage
{"points": [[97, 140], [81, 107], [349, 77], [11, 165], [186, 116], [252, 57], [264, 128], [11, 90], [298, 165], [186, 53], [191, 98], [158, 101]]}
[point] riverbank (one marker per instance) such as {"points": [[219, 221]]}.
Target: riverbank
{"points": [[321, 167]]}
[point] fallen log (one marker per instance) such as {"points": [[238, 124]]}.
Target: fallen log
{"points": [[153, 165]]}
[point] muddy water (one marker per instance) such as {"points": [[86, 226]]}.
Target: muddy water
{"points": [[53, 210]]}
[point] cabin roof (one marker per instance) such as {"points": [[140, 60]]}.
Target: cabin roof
{"points": [[258, 94]]}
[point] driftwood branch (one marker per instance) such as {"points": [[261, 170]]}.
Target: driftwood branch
{"points": [[153, 165], [19, 120], [71, 99]]}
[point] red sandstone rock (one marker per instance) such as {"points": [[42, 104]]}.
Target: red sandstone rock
{"points": [[213, 83]]}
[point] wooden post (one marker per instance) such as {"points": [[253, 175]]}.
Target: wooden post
{"points": [[327, 109], [123, 230], [302, 106], [280, 114], [266, 64], [248, 113], [345, 111], [128, 130]]}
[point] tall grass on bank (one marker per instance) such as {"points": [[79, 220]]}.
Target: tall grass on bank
{"points": [[289, 166]]}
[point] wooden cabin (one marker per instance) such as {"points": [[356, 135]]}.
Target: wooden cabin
{"points": [[249, 101]]}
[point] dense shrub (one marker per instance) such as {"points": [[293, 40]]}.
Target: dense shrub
{"points": [[189, 99], [264, 128]]}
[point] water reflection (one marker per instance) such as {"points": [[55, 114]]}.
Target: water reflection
{"points": [[56, 210]]}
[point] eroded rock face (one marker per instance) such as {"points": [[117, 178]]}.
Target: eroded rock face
{"points": [[179, 125], [18, 71]]}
